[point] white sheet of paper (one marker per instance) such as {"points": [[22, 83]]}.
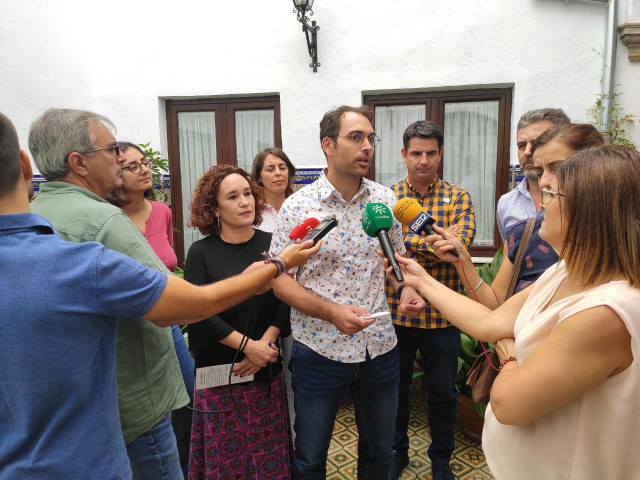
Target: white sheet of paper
{"points": [[377, 315], [217, 375]]}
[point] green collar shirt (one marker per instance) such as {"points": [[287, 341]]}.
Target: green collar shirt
{"points": [[149, 380]]}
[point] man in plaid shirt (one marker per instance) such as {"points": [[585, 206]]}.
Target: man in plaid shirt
{"points": [[436, 339]]}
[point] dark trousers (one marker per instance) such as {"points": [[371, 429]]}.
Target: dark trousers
{"points": [[181, 418], [439, 351], [318, 385]]}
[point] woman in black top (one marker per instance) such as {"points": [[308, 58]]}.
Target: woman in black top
{"points": [[241, 430]]}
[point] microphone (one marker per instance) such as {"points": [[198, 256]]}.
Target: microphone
{"points": [[410, 213], [301, 231], [376, 221]]}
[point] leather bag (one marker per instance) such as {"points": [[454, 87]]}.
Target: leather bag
{"points": [[484, 370]]}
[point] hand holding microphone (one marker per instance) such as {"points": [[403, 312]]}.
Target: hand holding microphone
{"points": [[298, 233], [295, 254], [410, 213], [301, 231], [377, 221]]}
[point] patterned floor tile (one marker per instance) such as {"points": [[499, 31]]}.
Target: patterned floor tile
{"points": [[467, 463]]}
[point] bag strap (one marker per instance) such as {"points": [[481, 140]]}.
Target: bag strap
{"points": [[524, 243]]}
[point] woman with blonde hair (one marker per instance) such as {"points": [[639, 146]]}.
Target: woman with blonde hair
{"points": [[565, 402]]}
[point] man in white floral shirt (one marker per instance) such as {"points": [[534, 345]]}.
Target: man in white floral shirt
{"points": [[336, 342]]}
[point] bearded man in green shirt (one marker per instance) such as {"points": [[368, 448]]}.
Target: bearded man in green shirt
{"points": [[77, 153]]}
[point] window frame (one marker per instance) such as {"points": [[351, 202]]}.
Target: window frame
{"points": [[434, 102], [224, 108]]}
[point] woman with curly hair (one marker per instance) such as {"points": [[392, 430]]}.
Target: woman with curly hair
{"points": [[240, 430]]}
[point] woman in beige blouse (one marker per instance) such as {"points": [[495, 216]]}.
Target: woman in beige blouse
{"points": [[565, 403]]}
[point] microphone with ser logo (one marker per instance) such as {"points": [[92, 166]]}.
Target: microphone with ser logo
{"points": [[410, 213]]}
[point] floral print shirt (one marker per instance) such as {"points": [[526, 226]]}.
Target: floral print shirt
{"points": [[346, 270]]}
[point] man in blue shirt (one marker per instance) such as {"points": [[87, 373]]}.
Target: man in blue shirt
{"points": [[524, 201], [59, 302]]}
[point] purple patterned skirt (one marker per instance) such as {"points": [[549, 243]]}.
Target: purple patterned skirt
{"points": [[250, 441]]}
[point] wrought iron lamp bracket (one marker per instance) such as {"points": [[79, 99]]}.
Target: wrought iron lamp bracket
{"points": [[311, 35]]}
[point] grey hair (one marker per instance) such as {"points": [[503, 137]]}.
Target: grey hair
{"points": [[57, 133], [554, 115]]}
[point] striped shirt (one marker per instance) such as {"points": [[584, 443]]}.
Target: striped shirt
{"points": [[514, 207], [447, 204]]}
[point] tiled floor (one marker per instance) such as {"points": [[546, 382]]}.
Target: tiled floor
{"points": [[468, 461]]}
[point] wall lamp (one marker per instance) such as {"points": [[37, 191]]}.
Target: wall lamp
{"points": [[302, 7]]}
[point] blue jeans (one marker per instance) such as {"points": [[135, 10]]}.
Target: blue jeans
{"points": [[318, 386], [439, 352], [154, 454], [181, 418]]}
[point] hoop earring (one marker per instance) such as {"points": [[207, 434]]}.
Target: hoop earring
{"points": [[219, 226]]}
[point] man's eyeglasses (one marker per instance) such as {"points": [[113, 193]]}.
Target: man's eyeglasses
{"points": [[358, 137], [135, 167], [112, 146], [548, 195]]}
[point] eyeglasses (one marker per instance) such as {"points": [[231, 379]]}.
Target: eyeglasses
{"points": [[112, 146], [548, 195], [358, 137], [135, 167]]}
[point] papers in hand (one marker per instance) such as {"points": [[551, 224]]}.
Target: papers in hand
{"points": [[217, 375], [376, 315]]}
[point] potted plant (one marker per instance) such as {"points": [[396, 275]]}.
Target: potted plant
{"points": [[158, 166], [471, 412]]}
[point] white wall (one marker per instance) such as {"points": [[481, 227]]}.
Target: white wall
{"points": [[627, 73], [42, 62], [123, 57]]}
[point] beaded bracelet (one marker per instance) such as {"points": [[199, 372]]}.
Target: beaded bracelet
{"points": [[510, 358], [475, 288], [279, 262]]}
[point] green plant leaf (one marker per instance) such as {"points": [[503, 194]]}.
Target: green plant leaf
{"points": [[481, 407], [468, 347], [178, 272], [615, 131], [157, 164]]}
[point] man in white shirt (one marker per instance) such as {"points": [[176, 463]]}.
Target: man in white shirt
{"points": [[336, 342], [524, 201]]}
